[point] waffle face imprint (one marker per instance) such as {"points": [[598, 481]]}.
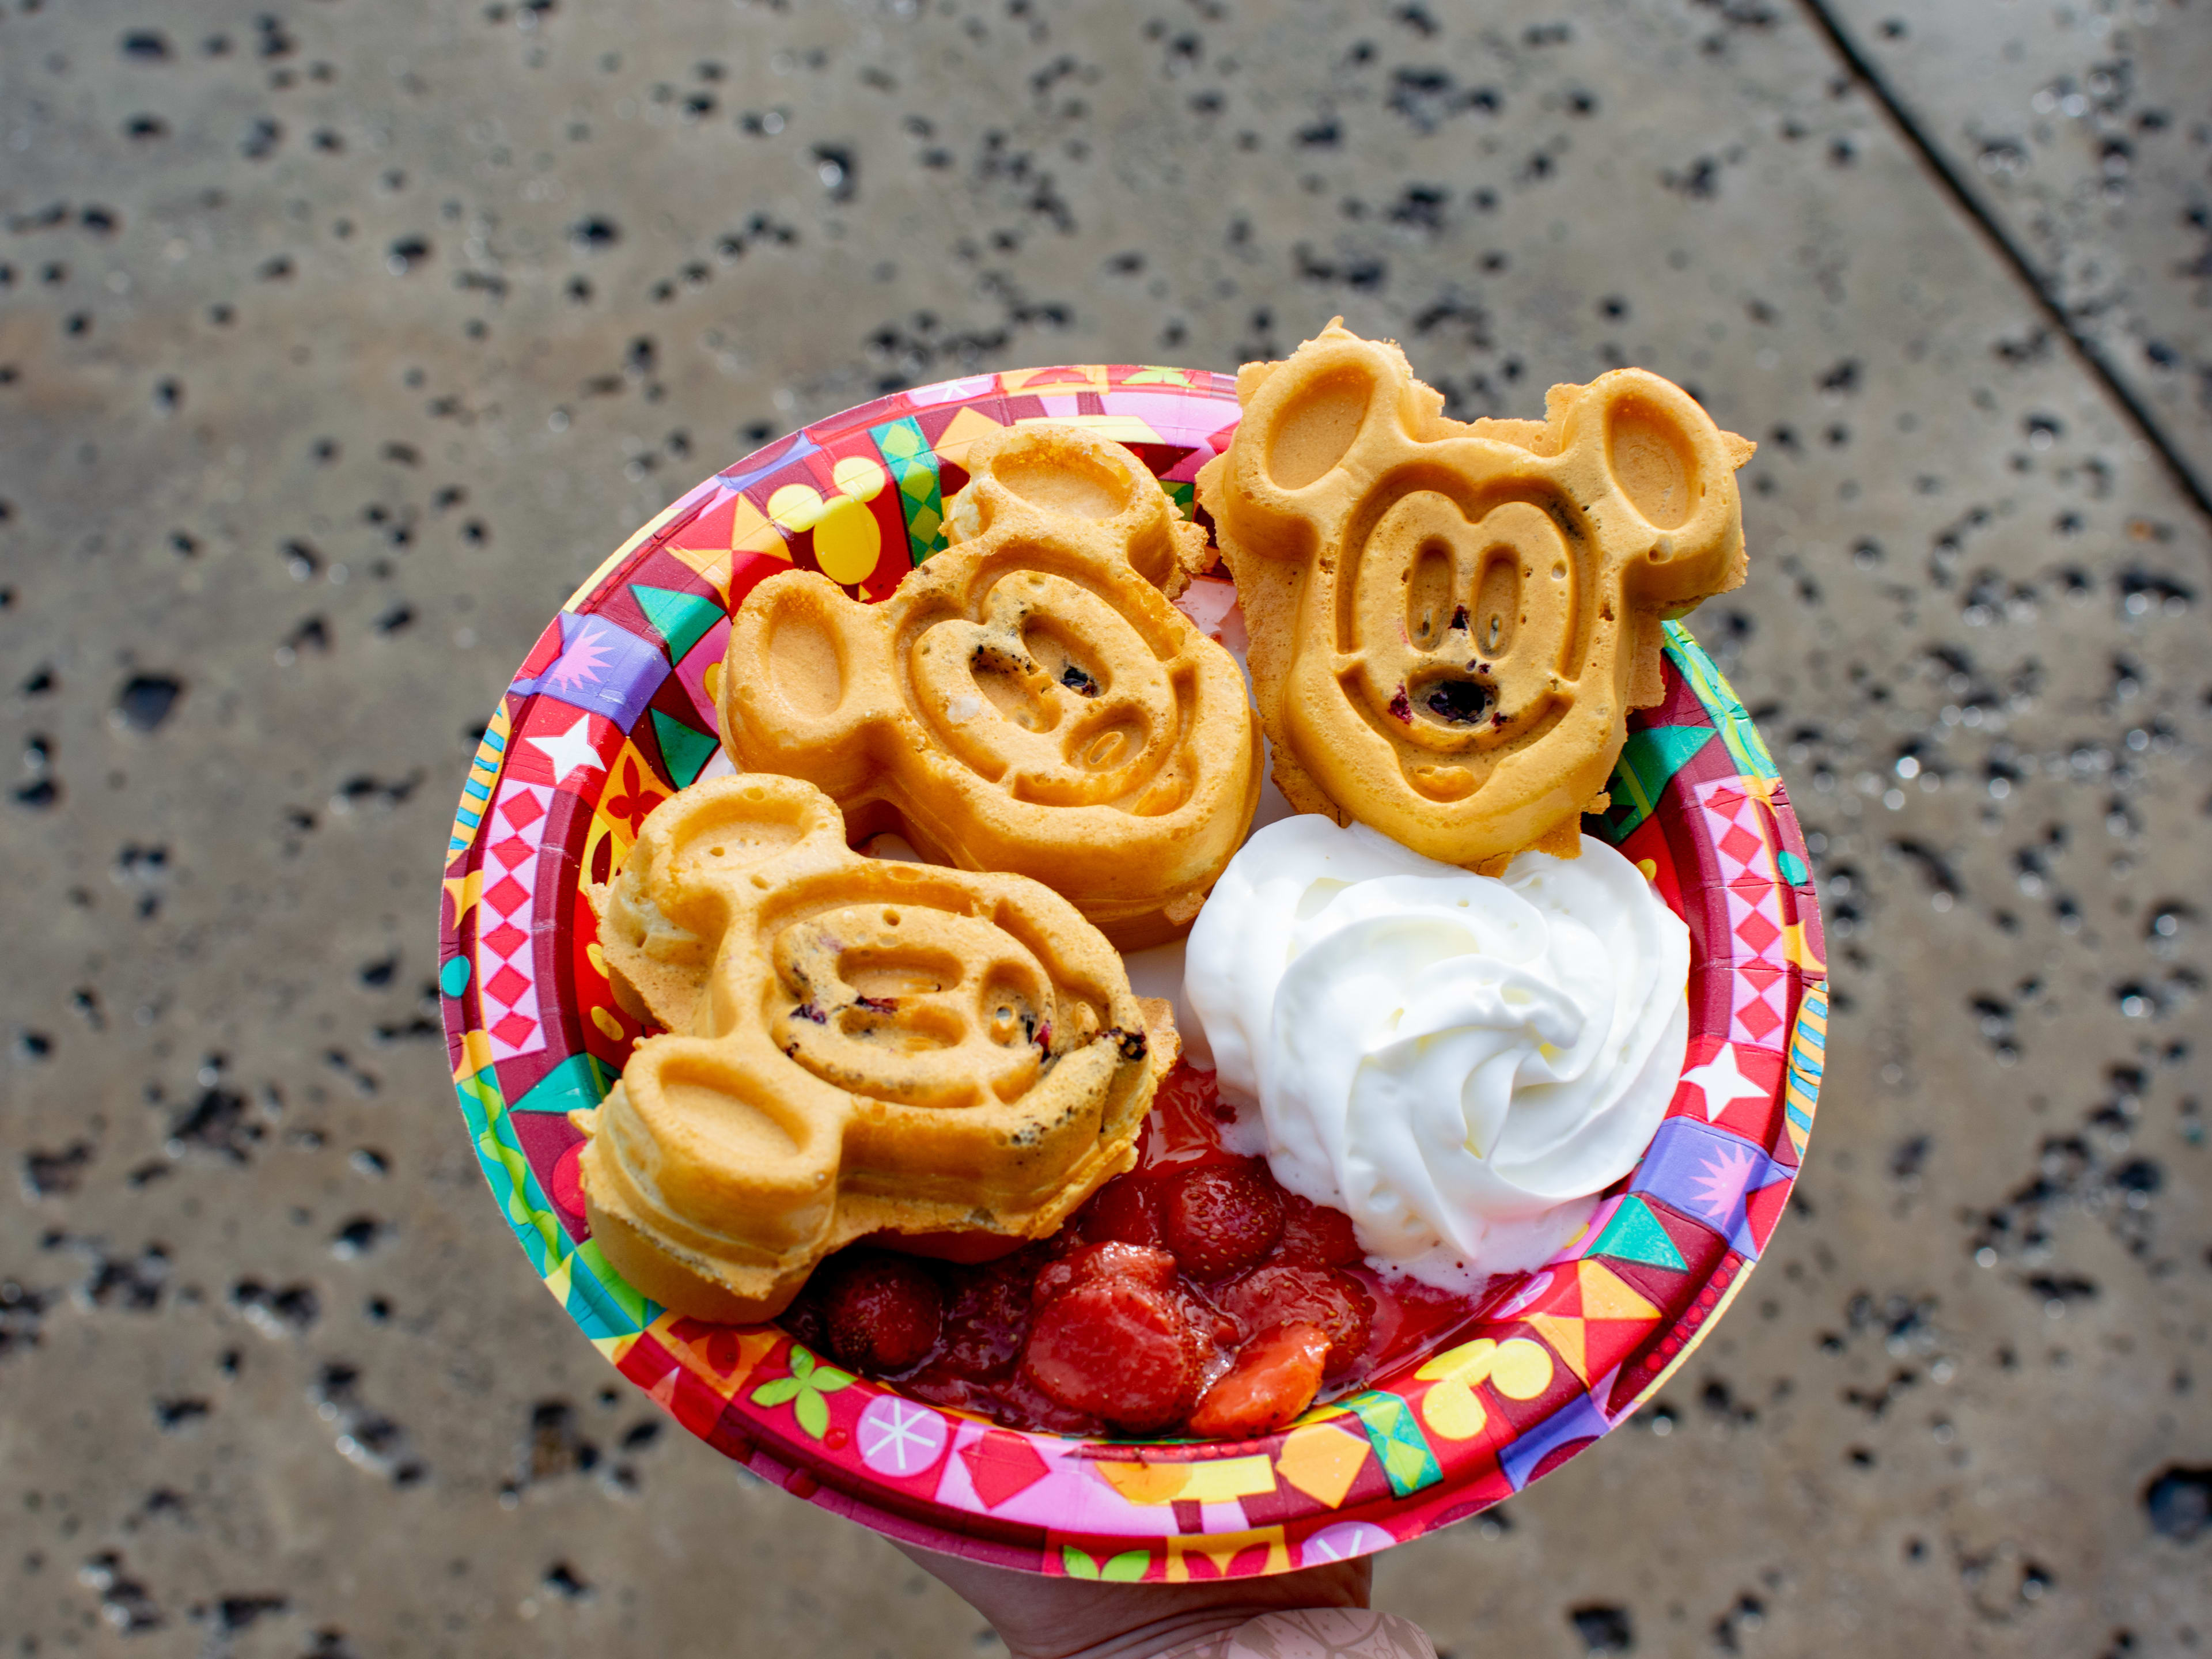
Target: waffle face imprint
{"points": [[1450, 621], [1028, 700], [856, 1045]]}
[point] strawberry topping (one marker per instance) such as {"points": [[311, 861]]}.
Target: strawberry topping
{"points": [[1137, 1264], [1314, 1232], [1222, 1217], [1275, 1377], [987, 1318], [1196, 1264], [1116, 1349], [1126, 1209], [882, 1313], [1327, 1298]]}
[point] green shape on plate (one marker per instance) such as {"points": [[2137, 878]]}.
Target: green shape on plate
{"points": [[611, 1306], [1793, 868], [579, 1081], [914, 464], [1634, 1235], [1125, 1568], [686, 749], [1721, 701], [901, 441], [480, 1098], [453, 977], [506, 1168], [803, 1390], [1400, 1446], [682, 619], [1652, 755]]}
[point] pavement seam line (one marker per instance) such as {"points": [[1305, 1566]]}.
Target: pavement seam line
{"points": [[2054, 309]]}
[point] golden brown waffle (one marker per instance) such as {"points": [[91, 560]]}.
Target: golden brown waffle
{"points": [[859, 1047], [1028, 701], [1450, 622]]}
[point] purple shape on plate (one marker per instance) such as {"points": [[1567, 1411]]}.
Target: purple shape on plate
{"points": [[773, 458], [1705, 1171], [602, 669], [1578, 1419]]}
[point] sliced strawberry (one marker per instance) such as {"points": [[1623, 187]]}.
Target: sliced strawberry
{"points": [[883, 1312], [1222, 1217], [1126, 1209], [1275, 1377], [1314, 1232], [1326, 1298], [1137, 1264], [1118, 1350]]}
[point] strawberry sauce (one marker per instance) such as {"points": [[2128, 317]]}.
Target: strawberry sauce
{"points": [[1192, 1295]]}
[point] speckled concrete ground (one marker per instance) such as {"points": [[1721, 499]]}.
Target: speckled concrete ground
{"points": [[337, 339]]}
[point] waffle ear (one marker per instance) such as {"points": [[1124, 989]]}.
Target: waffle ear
{"points": [[1066, 483], [663, 918], [1306, 433], [1305, 425], [783, 1149], [1316, 428], [1661, 481], [805, 663]]}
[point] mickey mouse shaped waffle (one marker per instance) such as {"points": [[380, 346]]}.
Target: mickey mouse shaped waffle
{"points": [[858, 1046], [1028, 701], [1450, 622]]}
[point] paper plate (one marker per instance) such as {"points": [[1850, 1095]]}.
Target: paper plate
{"points": [[615, 707]]}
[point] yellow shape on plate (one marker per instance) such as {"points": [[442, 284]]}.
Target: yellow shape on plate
{"points": [[1516, 1368]]}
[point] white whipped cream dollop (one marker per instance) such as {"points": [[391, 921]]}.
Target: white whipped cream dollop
{"points": [[1461, 1063]]}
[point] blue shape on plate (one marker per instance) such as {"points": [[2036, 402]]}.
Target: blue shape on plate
{"points": [[579, 1081], [685, 749]]}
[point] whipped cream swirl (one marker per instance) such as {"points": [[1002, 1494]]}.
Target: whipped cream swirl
{"points": [[1459, 1062]]}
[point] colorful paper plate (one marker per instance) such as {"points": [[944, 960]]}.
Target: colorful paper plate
{"points": [[615, 707]]}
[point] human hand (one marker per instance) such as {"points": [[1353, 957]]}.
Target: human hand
{"points": [[1044, 1618]]}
